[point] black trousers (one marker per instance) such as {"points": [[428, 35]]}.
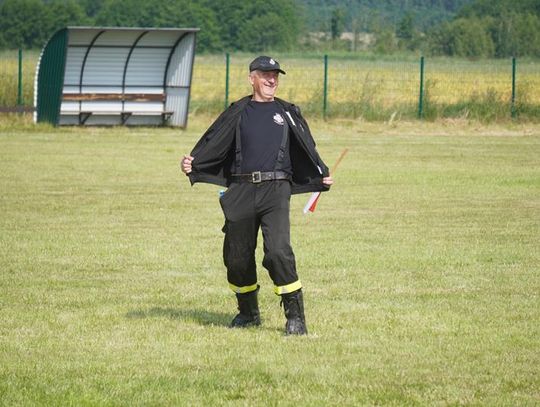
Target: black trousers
{"points": [[248, 207]]}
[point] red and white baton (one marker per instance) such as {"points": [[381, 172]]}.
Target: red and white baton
{"points": [[314, 198]]}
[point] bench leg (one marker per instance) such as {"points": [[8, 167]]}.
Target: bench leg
{"points": [[166, 116], [83, 117], [125, 116]]}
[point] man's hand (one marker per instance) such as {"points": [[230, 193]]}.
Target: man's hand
{"points": [[185, 164], [328, 181]]}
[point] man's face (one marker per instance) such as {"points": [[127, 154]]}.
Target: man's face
{"points": [[264, 85]]}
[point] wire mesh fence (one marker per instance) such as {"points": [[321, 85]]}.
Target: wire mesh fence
{"points": [[482, 89], [350, 87], [377, 89]]}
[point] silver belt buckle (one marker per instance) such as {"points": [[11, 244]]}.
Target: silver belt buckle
{"points": [[256, 177]]}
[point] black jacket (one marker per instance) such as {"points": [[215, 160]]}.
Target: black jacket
{"points": [[214, 153]]}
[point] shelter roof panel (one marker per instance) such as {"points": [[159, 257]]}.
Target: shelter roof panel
{"points": [[74, 61], [117, 38], [160, 38], [145, 61], [179, 73], [105, 66], [82, 36], [177, 100]]}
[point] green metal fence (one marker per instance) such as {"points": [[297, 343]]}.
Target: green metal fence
{"points": [[366, 87], [377, 89]]}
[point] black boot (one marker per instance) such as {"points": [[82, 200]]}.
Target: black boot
{"points": [[249, 310], [293, 303]]}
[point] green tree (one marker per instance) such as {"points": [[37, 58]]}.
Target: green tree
{"points": [[91, 7], [407, 36], [24, 23], [184, 13], [337, 23], [465, 37], [405, 28], [258, 25], [498, 8], [126, 13], [527, 35], [515, 34], [385, 41], [63, 13], [471, 39], [262, 33], [500, 28], [173, 13]]}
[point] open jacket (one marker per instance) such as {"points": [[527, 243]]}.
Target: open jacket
{"points": [[215, 152]]}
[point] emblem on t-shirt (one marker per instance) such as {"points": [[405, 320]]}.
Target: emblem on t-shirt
{"points": [[278, 119]]}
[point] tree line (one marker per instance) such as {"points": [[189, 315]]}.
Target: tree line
{"points": [[369, 15], [469, 28], [228, 25], [490, 28]]}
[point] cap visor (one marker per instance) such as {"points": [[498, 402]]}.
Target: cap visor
{"points": [[270, 70]]}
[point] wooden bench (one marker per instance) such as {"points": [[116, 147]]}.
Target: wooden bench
{"points": [[118, 97], [84, 115]]}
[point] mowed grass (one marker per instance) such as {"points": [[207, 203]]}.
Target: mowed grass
{"points": [[420, 268]]}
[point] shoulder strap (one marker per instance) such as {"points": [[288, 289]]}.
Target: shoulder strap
{"points": [[238, 148], [283, 146]]}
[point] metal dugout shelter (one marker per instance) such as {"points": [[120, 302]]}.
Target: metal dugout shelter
{"points": [[115, 76]]}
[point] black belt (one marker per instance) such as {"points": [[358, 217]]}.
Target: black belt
{"points": [[259, 176]]}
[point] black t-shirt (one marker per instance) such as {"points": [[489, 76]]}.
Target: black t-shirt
{"points": [[261, 132]]}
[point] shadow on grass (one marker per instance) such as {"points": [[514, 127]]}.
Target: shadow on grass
{"points": [[201, 316]]}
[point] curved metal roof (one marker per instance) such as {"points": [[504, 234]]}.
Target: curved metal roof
{"points": [[127, 61]]}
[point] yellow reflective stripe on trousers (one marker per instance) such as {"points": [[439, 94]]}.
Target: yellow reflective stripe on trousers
{"points": [[289, 288], [243, 290]]}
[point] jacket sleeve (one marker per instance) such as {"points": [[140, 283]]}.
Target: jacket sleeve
{"points": [[306, 135], [305, 126], [214, 145]]}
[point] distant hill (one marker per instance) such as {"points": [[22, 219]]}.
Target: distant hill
{"points": [[372, 15]]}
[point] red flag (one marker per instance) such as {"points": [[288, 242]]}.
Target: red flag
{"points": [[312, 202], [314, 198]]}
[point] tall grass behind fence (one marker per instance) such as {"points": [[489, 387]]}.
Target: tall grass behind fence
{"points": [[480, 89], [373, 90], [382, 89], [368, 87], [9, 76]]}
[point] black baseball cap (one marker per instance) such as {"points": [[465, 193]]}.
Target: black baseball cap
{"points": [[264, 63]]}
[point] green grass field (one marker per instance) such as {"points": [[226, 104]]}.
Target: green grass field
{"points": [[420, 268]]}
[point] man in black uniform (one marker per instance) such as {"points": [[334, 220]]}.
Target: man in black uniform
{"points": [[261, 148]]}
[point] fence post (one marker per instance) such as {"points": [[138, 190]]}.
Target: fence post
{"points": [[514, 88], [421, 96], [227, 63], [19, 82], [325, 86]]}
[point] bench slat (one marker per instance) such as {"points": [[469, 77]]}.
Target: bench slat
{"points": [[132, 97], [114, 113], [124, 116]]}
